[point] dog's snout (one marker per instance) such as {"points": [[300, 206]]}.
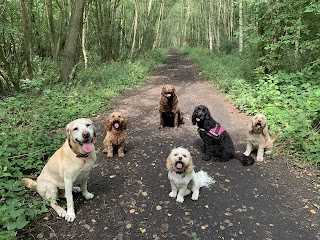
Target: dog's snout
{"points": [[85, 134], [180, 158]]}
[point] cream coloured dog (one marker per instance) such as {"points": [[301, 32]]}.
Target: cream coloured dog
{"points": [[68, 167], [182, 177], [258, 137]]}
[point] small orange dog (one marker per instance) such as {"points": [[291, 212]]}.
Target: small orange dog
{"points": [[116, 125]]}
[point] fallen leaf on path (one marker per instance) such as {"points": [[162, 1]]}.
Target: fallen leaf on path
{"points": [[204, 226], [158, 207], [313, 211], [132, 210], [142, 230]]}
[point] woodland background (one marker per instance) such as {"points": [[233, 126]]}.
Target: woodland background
{"points": [[58, 56]]}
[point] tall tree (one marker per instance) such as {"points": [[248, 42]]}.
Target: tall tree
{"points": [[72, 40], [240, 26], [27, 37]]}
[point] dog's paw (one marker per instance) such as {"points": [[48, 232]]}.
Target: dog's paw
{"points": [[268, 152], [259, 159], [247, 153], [195, 197], [76, 189], [173, 194], [88, 195], [61, 212], [180, 199], [121, 155], [70, 216], [109, 155]]}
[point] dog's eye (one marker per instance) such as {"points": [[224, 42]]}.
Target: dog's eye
{"points": [[75, 129], [176, 154], [184, 155], [88, 125]]}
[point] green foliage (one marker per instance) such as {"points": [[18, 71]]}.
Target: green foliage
{"points": [[289, 100], [32, 127]]}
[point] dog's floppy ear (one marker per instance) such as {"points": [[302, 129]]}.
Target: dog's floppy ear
{"points": [[265, 129], [107, 123], [190, 166], [68, 131], [251, 127], [194, 117], [125, 122], [169, 163]]}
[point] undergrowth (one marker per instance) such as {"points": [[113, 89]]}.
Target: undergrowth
{"points": [[32, 127], [290, 101]]}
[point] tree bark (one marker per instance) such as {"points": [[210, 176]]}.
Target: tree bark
{"points": [[240, 26], [84, 36], [27, 38], [53, 38], [72, 40], [135, 27]]}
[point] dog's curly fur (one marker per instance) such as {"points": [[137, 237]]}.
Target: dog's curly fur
{"points": [[219, 149], [116, 125], [169, 110], [258, 138]]}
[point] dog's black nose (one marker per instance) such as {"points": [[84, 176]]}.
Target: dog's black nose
{"points": [[85, 134], [180, 158]]}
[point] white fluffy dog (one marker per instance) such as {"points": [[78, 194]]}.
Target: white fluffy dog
{"points": [[258, 137], [182, 176]]}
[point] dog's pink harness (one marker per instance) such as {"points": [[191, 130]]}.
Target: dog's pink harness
{"points": [[216, 131]]}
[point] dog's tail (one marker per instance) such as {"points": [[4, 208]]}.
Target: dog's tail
{"points": [[205, 179], [29, 182]]}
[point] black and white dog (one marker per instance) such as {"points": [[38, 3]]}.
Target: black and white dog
{"points": [[217, 141]]}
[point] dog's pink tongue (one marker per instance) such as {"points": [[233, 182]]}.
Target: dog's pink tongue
{"points": [[179, 165], [198, 119], [87, 147], [168, 95], [116, 125]]}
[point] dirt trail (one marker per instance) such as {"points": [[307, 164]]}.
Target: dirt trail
{"points": [[263, 201]]}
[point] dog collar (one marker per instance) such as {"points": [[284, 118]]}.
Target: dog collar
{"points": [[80, 155], [216, 131]]}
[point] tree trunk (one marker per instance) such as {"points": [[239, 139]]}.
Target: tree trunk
{"points": [[72, 40], [53, 38], [84, 36], [27, 38], [240, 26], [135, 27]]}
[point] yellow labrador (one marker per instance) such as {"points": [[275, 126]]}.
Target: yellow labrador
{"points": [[68, 167]]}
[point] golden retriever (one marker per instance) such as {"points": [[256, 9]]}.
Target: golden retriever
{"points": [[116, 125], [69, 166], [258, 137], [169, 109], [182, 177]]}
